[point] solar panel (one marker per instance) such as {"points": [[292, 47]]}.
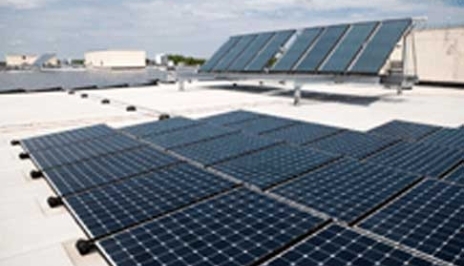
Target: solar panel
{"points": [[347, 189], [274, 165], [354, 144], [337, 245], [231, 117], [238, 228], [251, 51], [429, 218], [160, 127], [302, 133], [83, 150], [379, 48], [262, 125], [349, 47], [404, 130], [188, 136], [224, 148], [419, 158], [457, 176], [80, 176], [296, 51], [65, 137], [117, 206], [447, 137], [232, 55], [268, 53], [223, 50], [323, 46]]}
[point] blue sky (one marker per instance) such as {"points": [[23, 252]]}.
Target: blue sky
{"points": [[191, 27]]}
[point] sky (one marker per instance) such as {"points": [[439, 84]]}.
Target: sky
{"points": [[190, 27]]}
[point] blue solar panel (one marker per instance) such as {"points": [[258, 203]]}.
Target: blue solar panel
{"points": [[336, 245], [379, 48], [429, 218], [404, 130], [447, 137], [420, 158], [80, 176], [223, 50], [297, 50], [347, 189], [262, 125], [82, 150], [349, 47], [65, 137], [224, 148], [457, 176], [189, 136], [274, 165], [117, 206], [231, 117], [238, 228], [302, 133], [322, 48], [268, 53], [251, 51], [353, 144], [160, 127], [235, 52]]}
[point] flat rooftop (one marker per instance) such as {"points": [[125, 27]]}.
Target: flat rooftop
{"points": [[31, 231]]}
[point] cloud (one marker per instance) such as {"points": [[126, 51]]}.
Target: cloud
{"points": [[23, 4]]}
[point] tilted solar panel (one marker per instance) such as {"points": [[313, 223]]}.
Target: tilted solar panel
{"points": [[251, 51], [303, 133], [223, 50], [447, 137], [457, 176], [235, 52], [262, 125], [297, 50], [225, 119], [237, 228], [405, 130], [429, 218], [160, 127], [80, 176], [274, 165], [262, 59], [337, 245], [323, 46], [347, 189], [120, 205], [379, 48], [349, 47]]}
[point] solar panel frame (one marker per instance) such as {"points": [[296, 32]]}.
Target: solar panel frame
{"points": [[447, 137], [219, 54], [225, 119], [238, 228], [428, 218], [405, 130], [261, 40], [160, 127], [303, 133], [234, 53]]}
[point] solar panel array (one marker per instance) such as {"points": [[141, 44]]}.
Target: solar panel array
{"points": [[225, 119], [447, 137], [360, 48], [160, 127], [457, 176], [262, 125], [303, 133], [404, 130]]}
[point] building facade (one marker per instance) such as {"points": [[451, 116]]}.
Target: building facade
{"points": [[115, 59]]}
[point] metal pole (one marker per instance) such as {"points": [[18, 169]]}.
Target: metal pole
{"points": [[297, 95], [181, 85]]}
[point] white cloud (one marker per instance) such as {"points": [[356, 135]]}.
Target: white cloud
{"points": [[23, 4]]}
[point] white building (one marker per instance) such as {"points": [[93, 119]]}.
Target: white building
{"points": [[115, 59], [20, 60]]}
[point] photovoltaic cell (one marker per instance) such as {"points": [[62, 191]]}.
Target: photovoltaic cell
{"points": [[80, 176], [268, 53], [65, 137], [117, 206], [354, 144], [188, 136], [232, 55], [347, 189], [419, 158], [160, 127], [83, 150], [231, 117], [404, 130], [457, 176], [238, 228], [262, 125], [302, 133], [297, 50], [447, 137], [322, 48], [349, 47], [336, 245], [379, 48], [274, 165], [223, 50], [251, 51], [429, 218]]}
